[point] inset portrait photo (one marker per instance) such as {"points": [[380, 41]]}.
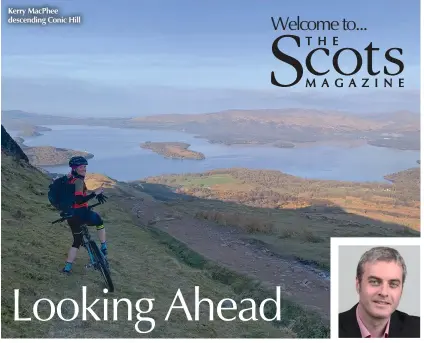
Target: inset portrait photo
{"points": [[375, 287]]}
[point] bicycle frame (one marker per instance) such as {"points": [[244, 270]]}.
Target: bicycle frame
{"points": [[86, 238], [97, 259]]}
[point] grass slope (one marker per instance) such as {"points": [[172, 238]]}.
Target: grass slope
{"points": [[292, 217], [145, 263]]}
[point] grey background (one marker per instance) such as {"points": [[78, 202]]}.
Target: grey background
{"points": [[348, 260]]}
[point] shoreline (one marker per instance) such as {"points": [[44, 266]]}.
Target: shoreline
{"points": [[38, 130], [37, 154], [380, 178]]}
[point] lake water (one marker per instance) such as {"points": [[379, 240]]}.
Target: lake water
{"points": [[117, 153]]}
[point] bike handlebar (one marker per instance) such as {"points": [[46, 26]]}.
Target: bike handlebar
{"points": [[67, 217]]}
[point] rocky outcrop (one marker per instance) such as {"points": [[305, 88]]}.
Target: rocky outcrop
{"points": [[10, 147]]}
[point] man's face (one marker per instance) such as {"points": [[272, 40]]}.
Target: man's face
{"points": [[81, 170], [380, 289]]}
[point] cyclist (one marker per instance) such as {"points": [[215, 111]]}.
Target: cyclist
{"points": [[81, 214]]}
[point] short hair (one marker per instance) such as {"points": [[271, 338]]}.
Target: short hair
{"points": [[380, 254]]}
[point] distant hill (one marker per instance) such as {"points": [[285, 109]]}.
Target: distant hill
{"points": [[297, 117], [292, 126], [15, 120], [284, 128], [52, 156], [406, 117]]}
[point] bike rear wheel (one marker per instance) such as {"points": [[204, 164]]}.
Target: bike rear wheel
{"points": [[104, 270]]}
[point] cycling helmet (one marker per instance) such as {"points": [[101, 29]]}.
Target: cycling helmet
{"points": [[78, 161]]}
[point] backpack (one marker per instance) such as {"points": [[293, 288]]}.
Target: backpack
{"points": [[61, 194]]}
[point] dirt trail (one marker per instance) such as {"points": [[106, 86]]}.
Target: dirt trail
{"points": [[226, 247]]}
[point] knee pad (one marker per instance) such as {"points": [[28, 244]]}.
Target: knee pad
{"points": [[77, 240]]}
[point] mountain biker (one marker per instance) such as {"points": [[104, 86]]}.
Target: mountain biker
{"points": [[80, 213]]}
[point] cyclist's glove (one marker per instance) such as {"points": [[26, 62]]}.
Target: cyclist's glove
{"points": [[101, 198]]}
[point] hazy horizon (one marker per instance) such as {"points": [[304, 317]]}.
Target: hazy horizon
{"points": [[366, 111]]}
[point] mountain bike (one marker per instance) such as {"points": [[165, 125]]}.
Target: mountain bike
{"points": [[97, 259]]}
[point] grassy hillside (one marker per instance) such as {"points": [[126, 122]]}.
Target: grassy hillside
{"points": [[397, 203], [290, 216], [407, 180], [145, 263]]}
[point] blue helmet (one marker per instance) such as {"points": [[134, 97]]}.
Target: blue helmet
{"points": [[78, 161]]}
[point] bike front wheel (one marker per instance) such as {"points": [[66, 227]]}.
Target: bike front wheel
{"points": [[101, 263]]}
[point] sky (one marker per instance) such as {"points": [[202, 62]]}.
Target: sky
{"points": [[137, 57]]}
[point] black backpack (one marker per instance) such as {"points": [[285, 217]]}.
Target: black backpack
{"points": [[61, 194]]}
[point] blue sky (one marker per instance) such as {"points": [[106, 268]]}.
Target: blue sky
{"points": [[145, 57]]}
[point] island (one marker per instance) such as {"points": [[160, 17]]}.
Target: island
{"points": [[28, 130], [52, 156], [403, 143], [174, 150]]}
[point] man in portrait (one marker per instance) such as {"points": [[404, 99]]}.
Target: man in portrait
{"points": [[380, 279]]}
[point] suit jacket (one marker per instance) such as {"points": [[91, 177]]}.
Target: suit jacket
{"points": [[402, 325]]}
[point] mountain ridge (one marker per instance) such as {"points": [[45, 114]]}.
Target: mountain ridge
{"points": [[285, 128]]}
